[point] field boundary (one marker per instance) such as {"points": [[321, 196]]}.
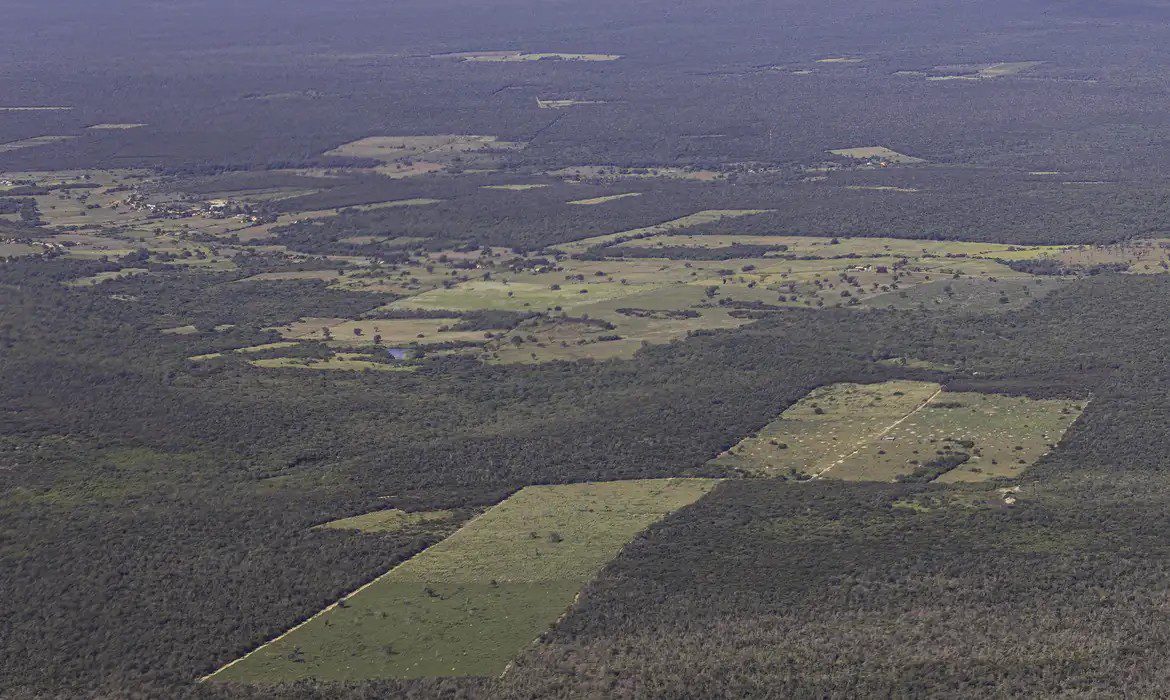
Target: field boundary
{"points": [[879, 435], [334, 604]]}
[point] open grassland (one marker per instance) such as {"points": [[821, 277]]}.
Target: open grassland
{"points": [[407, 331], [1140, 256], [35, 109], [828, 248], [516, 188], [827, 427], [521, 57], [409, 156], [607, 173], [106, 276], [513, 296], [389, 520], [606, 199], [978, 72], [881, 153], [469, 604], [13, 250], [907, 430], [114, 127], [998, 436], [697, 219], [565, 104], [341, 362], [32, 142]]}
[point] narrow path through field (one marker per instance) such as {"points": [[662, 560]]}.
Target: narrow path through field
{"points": [[861, 444]]}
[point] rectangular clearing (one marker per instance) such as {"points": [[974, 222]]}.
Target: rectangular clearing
{"points": [[876, 153], [469, 604], [905, 430], [700, 218], [996, 435], [827, 426]]}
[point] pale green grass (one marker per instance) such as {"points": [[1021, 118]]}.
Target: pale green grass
{"points": [[389, 520], [469, 604], [105, 277], [515, 188], [697, 219], [341, 362], [878, 152], [603, 200], [1009, 434], [816, 433], [180, 330], [33, 142], [514, 296]]}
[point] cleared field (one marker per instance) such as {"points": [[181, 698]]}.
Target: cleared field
{"points": [[520, 56], [565, 104], [513, 296], [828, 248], [547, 341], [342, 362], [1141, 256], [180, 330], [983, 71], [882, 188], [264, 347], [968, 294], [605, 199], [607, 173], [902, 429], [827, 427], [389, 520], [999, 436], [16, 250], [876, 153], [390, 149], [404, 331], [35, 109], [469, 604], [105, 277], [706, 216], [33, 142]]}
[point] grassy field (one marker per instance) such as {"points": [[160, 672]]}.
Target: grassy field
{"points": [[32, 142], [608, 173], [564, 104], [391, 332], [521, 57], [696, 219], [389, 520], [105, 277], [1002, 435], [605, 199], [14, 250], [876, 152], [516, 188], [513, 296], [827, 426], [880, 432], [341, 362], [469, 604]]}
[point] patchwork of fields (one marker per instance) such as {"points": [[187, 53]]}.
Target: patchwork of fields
{"points": [[468, 605]]}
